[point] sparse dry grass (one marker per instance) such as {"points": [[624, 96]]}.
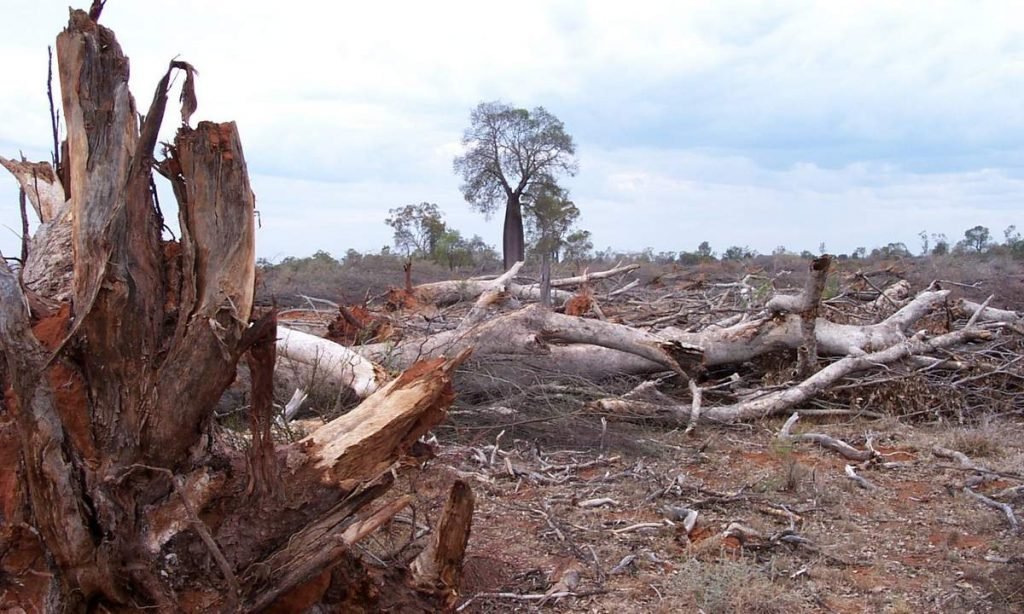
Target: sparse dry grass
{"points": [[978, 442], [733, 586]]}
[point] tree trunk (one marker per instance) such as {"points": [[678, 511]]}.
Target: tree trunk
{"points": [[513, 348], [513, 243], [545, 280], [117, 492]]}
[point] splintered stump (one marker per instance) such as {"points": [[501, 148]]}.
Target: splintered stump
{"points": [[116, 491], [439, 566]]}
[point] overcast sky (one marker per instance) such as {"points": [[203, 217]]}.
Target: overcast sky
{"points": [[741, 123]]}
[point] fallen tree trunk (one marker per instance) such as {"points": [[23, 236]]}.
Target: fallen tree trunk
{"points": [[784, 400], [515, 348], [443, 293], [988, 314], [529, 341], [530, 332], [588, 277], [308, 362]]}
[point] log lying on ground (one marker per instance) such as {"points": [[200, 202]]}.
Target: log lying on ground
{"points": [[529, 332], [522, 344], [309, 362], [512, 349], [443, 293], [892, 296], [784, 400], [988, 314], [761, 335], [588, 277]]}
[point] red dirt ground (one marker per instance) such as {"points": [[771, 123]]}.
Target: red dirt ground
{"points": [[916, 544]]}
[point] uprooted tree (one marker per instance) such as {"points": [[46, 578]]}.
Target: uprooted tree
{"points": [[533, 346], [117, 493]]}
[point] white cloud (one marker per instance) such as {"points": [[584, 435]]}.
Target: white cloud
{"points": [[673, 201], [736, 122]]}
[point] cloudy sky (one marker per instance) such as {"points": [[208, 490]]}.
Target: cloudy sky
{"points": [[741, 123]]}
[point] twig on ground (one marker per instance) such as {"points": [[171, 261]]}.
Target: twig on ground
{"points": [[862, 482], [695, 391], [642, 526], [626, 562], [1007, 511], [836, 445], [532, 596]]}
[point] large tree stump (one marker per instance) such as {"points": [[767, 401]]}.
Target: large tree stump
{"points": [[116, 490]]}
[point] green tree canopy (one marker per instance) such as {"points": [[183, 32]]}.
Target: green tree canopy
{"points": [[704, 251], [552, 218], [578, 246], [417, 228], [977, 238], [509, 151]]}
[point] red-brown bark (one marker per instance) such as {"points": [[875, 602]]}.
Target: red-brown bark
{"points": [[116, 491]]}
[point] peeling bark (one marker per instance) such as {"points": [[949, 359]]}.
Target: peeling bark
{"points": [[264, 477], [115, 356], [41, 185]]}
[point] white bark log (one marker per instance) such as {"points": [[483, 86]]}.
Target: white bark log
{"points": [[315, 362], [486, 298], [892, 296], [532, 292], [515, 348], [785, 400], [523, 336], [758, 336], [990, 314], [453, 291], [773, 403], [587, 277]]}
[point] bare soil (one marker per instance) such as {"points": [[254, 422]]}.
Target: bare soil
{"points": [[915, 544]]}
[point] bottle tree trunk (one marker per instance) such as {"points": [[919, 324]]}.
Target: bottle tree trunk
{"points": [[513, 242], [117, 492]]}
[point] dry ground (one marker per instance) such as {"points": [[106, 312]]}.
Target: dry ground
{"points": [[916, 544]]}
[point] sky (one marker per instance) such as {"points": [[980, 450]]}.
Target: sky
{"points": [[762, 124]]}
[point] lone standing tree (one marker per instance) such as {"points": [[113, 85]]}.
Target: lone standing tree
{"points": [[508, 151]]}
